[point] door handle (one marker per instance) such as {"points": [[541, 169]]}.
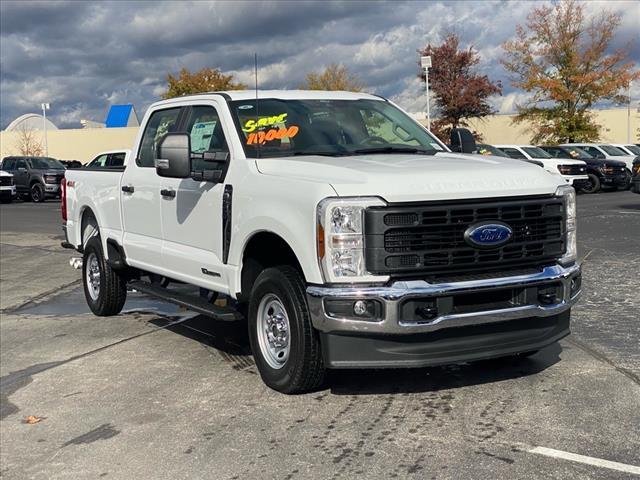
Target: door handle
{"points": [[127, 188], [167, 192]]}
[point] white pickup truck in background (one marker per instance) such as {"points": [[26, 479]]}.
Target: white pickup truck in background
{"points": [[341, 230], [574, 172]]}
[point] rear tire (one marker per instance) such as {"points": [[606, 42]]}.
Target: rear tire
{"points": [[36, 193], [285, 345], [104, 289], [594, 184]]}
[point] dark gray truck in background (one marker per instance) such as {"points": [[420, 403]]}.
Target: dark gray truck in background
{"points": [[36, 178]]}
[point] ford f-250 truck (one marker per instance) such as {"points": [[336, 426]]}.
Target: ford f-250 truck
{"points": [[344, 232]]}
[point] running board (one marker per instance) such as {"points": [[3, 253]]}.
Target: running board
{"points": [[190, 302]]}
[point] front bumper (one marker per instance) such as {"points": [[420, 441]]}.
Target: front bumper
{"points": [[494, 312], [635, 186], [8, 192], [615, 180], [580, 182], [52, 188], [394, 319]]}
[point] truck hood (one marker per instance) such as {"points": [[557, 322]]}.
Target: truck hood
{"points": [[408, 177]]}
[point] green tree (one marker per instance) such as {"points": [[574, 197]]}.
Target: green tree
{"points": [[562, 60], [205, 80], [334, 77]]}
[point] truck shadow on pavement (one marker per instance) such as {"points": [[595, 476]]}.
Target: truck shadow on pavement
{"points": [[230, 339]]}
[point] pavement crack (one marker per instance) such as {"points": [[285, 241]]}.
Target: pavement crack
{"points": [[600, 356], [54, 292], [14, 381]]}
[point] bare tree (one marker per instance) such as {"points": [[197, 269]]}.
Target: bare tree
{"points": [[29, 142]]}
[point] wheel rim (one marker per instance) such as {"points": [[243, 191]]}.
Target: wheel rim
{"points": [[273, 331], [592, 186], [93, 276], [35, 193]]}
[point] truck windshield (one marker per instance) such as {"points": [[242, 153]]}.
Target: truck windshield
{"points": [[535, 152], [633, 149], [46, 162], [613, 151], [283, 128]]}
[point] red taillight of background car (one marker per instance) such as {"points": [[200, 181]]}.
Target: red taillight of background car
{"points": [[63, 197]]}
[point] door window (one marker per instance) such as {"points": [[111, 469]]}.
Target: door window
{"points": [[160, 123], [21, 163], [116, 160], [207, 136], [593, 151], [513, 153], [100, 161]]}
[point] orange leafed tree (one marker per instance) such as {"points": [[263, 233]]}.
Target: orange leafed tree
{"points": [[334, 77], [562, 59], [205, 80]]}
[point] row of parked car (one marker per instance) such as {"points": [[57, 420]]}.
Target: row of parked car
{"points": [[589, 167]]}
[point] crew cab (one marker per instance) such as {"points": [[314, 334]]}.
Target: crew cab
{"points": [[336, 226], [602, 173], [574, 172]]}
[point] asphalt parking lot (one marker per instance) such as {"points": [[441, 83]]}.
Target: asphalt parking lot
{"points": [[159, 393]]}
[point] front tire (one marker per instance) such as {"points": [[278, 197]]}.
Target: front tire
{"points": [[36, 193], [104, 289], [594, 184], [285, 345]]}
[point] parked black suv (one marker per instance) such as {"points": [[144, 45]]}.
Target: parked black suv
{"points": [[35, 177], [609, 173]]}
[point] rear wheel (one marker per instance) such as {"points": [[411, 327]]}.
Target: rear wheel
{"points": [[36, 193], [104, 289], [285, 345], [593, 186]]}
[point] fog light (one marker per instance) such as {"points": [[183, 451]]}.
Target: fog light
{"points": [[369, 310], [360, 308]]}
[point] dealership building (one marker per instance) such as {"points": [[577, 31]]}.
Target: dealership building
{"points": [[619, 125]]}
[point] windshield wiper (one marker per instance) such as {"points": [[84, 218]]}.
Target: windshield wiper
{"points": [[322, 154], [392, 149]]}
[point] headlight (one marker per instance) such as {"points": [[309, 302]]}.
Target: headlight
{"points": [[569, 196], [564, 169], [341, 239], [50, 179]]}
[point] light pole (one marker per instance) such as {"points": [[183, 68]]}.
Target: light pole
{"points": [[45, 107], [426, 64], [629, 115]]}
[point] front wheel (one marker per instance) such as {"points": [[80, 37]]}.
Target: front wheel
{"points": [[285, 345], [104, 289], [36, 192], [593, 186]]}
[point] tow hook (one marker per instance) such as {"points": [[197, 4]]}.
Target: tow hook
{"points": [[76, 262]]}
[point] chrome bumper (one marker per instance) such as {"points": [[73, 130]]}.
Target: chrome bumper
{"points": [[393, 296]]}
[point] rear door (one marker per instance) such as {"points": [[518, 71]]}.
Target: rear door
{"points": [[191, 209], [140, 193]]}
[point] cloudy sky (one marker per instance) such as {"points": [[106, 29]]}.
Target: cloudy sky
{"points": [[83, 56]]}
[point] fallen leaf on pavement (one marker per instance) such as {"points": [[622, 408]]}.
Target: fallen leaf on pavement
{"points": [[31, 419]]}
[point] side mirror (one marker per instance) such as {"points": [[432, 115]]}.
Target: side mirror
{"points": [[173, 157], [462, 141]]}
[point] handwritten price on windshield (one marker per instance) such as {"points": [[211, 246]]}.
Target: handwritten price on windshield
{"points": [[273, 134]]}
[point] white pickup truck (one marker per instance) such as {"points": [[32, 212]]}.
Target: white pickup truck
{"points": [[341, 230]]}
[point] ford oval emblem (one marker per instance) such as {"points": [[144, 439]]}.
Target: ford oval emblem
{"points": [[488, 235]]}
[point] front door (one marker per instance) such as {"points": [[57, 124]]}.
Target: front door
{"points": [[191, 208], [140, 194], [21, 175]]}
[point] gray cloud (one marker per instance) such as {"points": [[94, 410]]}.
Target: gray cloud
{"points": [[83, 56]]}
